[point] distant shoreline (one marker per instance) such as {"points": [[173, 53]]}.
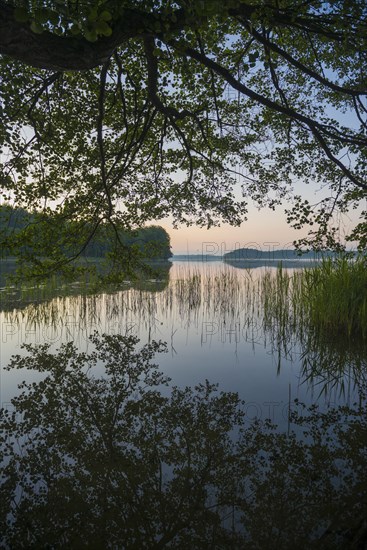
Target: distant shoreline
{"points": [[253, 255]]}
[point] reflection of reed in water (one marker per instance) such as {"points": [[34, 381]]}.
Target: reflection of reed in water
{"points": [[227, 295], [333, 365]]}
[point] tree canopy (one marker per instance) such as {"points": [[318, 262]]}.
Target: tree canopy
{"points": [[125, 112]]}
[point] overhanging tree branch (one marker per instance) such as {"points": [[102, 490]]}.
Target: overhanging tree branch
{"points": [[49, 51], [153, 73], [315, 127], [298, 65]]}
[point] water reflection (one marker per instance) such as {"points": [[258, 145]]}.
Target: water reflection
{"points": [[295, 263], [100, 453], [210, 308], [18, 297]]}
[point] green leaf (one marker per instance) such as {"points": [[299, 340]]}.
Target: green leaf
{"points": [[105, 16], [253, 56], [21, 15], [53, 17], [36, 27], [74, 30], [42, 16], [103, 28], [93, 15], [90, 35]]}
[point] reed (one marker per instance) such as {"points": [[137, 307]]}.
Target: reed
{"points": [[329, 299], [335, 297]]}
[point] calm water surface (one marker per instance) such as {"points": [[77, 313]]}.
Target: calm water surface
{"points": [[210, 316], [104, 461]]}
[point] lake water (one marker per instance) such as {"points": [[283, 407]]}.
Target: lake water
{"points": [[213, 327], [88, 466]]}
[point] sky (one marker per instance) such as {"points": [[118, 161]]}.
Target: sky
{"points": [[262, 227], [264, 230]]}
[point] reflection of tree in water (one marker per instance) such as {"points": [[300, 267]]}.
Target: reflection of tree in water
{"points": [[154, 279], [113, 461]]}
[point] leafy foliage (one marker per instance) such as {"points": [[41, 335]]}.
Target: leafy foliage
{"points": [[124, 112]]}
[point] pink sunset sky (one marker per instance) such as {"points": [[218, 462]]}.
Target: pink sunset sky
{"points": [[264, 230], [261, 227]]}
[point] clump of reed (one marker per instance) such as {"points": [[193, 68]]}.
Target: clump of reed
{"points": [[188, 290], [328, 300], [335, 296], [280, 295]]}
